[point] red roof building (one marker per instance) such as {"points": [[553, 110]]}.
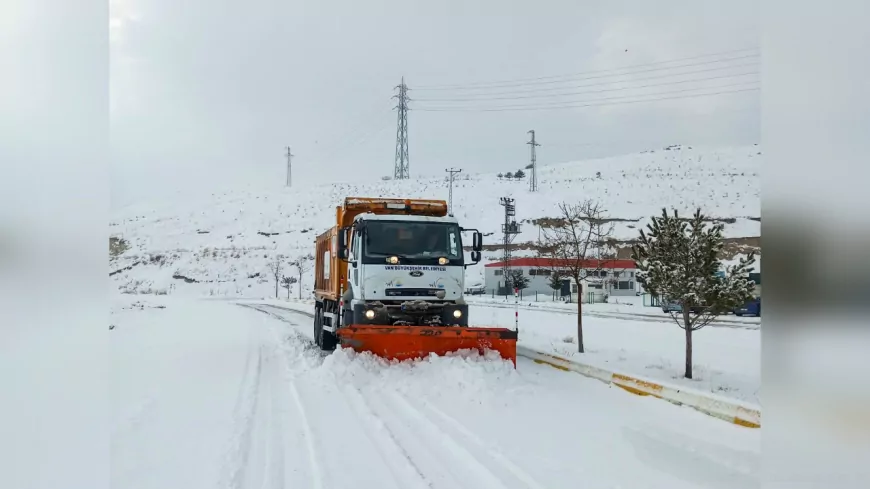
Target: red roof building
{"points": [[535, 262], [607, 276]]}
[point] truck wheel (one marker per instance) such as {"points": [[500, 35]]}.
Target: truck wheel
{"points": [[318, 325], [327, 340]]}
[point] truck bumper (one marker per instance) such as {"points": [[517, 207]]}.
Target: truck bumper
{"points": [[448, 314]]}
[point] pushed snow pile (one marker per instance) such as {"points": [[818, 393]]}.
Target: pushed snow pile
{"points": [[465, 372]]}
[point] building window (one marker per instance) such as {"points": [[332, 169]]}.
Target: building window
{"points": [[625, 285], [499, 272]]}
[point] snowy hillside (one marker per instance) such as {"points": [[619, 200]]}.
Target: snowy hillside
{"points": [[221, 245]]}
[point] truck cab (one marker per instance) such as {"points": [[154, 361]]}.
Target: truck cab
{"points": [[405, 270]]}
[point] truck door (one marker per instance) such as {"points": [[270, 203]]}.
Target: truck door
{"points": [[355, 270]]}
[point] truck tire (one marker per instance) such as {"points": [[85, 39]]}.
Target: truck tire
{"points": [[322, 338], [318, 324], [327, 340]]}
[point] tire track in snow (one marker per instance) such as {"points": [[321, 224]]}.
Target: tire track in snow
{"points": [[482, 468], [263, 445], [316, 474], [244, 414], [493, 452], [288, 379], [446, 461], [388, 446], [421, 454]]}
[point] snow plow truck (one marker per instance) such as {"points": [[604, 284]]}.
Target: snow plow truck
{"points": [[389, 279]]}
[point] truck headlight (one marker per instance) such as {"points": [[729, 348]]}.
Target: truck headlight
{"points": [[442, 261], [393, 260], [370, 314], [457, 313]]}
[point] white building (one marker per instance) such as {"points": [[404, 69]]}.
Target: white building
{"points": [[606, 277]]}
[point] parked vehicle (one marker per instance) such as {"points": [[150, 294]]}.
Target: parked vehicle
{"points": [[476, 289], [751, 308]]}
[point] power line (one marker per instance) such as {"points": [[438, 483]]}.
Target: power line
{"points": [[373, 130], [363, 123], [599, 99], [557, 107], [649, 85], [359, 132], [611, 75], [554, 78]]}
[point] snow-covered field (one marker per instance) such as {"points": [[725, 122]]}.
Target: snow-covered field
{"points": [[225, 238], [209, 393]]}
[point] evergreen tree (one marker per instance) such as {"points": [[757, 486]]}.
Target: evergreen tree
{"points": [[678, 260], [520, 175], [500, 175], [518, 280], [287, 283], [509, 175], [555, 281]]}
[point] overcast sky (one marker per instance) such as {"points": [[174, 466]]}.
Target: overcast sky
{"points": [[207, 93]]}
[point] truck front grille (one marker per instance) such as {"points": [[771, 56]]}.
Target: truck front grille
{"points": [[411, 292]]}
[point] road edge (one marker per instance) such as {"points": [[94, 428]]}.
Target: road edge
{"points": [[728, 410]]}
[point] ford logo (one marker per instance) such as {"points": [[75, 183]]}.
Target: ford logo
{"points": [[416, 273]]}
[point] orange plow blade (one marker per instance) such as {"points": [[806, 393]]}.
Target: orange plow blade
{"points": [[409, 342]]}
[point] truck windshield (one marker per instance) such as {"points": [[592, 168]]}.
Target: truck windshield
{"points": [[412, 241]]}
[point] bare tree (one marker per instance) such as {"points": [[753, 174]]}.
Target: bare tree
{"points": [[575, 245], [303, 264], [276, 266]]}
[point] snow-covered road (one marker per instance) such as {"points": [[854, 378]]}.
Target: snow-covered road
{"points": [[213, 394]]}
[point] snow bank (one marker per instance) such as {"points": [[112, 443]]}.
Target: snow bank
{"points": [[727, 361], [717, 406]]}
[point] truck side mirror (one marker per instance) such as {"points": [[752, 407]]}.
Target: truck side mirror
{"points": [[477, 243], [475, 256], [342, 244]]}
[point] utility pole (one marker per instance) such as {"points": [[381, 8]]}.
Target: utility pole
{"points": [[452, 171], [533, 181], [401, 169], [509, 229], [289, 158]]}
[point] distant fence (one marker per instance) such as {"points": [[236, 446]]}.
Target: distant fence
{"points": [[590, 297]]}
